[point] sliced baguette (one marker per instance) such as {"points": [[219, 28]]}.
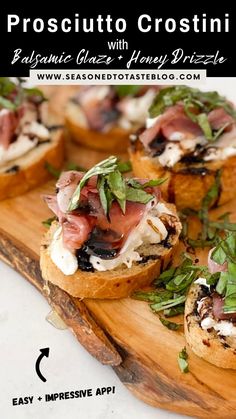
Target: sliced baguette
{"points": [[118, 283], [186, 186], [116, 139], [29, 171], [206, 344]]}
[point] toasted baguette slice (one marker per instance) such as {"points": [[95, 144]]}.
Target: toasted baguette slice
{"points": [[114, 140], [120, 282], [220, 351], [29, 171], [186, 185]]}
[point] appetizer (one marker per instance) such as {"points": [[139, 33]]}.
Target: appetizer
{"points": [[210, 309], [190, 136], [112, 234], [26, 144], [103, 117]]}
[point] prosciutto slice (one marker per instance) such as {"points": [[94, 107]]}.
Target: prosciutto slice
{"points": [[97, 104], [218, 304], [78, 225], [219, 117], [173, 120], [8, 123]]}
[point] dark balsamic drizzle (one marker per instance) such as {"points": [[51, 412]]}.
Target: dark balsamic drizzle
{"points": [[158, 145], [83, 260], [13, 169], [196, 171], [54, 127]]}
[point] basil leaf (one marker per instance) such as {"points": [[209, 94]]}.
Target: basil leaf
{"points": [[153, 182], [127, 90], [170, 325], [124, 166], [34, 92], [118, 188], [52, 170], [75, 166], [230, 293], [47, 223], [167, 97], [171, 312], [203, 122], [5, 103], [168, 304], [138, 195], [102, 193], [152, 296], [104, 167], [183, 360], [222, 283]]}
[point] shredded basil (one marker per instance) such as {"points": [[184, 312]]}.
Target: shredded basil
{"points": [[211, 230], [12, 94], [225, 252], [113, 186], [183, 360], [197, 105], [47, 223], [52, 170], [170, 325], [127, 90], [172, 286]]}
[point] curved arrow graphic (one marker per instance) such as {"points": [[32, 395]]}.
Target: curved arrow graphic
{"points": [[44, 352]]}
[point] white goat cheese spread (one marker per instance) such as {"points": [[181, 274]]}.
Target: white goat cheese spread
{"points": [[63, 258], [222, 327]]}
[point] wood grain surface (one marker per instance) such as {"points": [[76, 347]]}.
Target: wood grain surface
{"points": [[122, 333]]}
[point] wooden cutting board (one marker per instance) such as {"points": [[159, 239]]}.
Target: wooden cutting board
{"points": [[124, 333]]}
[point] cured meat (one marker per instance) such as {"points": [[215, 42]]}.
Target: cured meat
{"points": [[173, 120], [97, 104], [78, 224], [219, 117], [218, 303], [215, 267], [76, 230], [8, 123]]}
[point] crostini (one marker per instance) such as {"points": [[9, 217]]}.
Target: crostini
{"points": [[190, 136], [103, 117], [112, 235], [210, 309], [26, 144]]}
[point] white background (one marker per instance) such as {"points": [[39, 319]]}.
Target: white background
{"points": [[24, 330]]}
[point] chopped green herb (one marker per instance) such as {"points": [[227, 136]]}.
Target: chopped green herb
{"points": [[175, 311], [211, 230], [12, 94], [127, 90], [124, 166], [225, 252], [117, 187], [103, 168], [75, 166], [172, 287], [48, 222], [183, 360], [112, 186], [138, 195], [197, 105], [52, 170], [170, 325]]}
